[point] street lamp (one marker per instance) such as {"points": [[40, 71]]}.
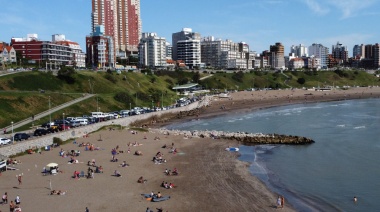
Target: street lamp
{"points": [[97, 102], [49, 112], [13, 137], [136, 100], [162, 99], [63, 115]]}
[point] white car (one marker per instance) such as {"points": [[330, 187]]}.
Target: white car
{"points": [[4, 141]]}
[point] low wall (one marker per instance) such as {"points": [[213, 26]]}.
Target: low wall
{"points": [[46, 140]]}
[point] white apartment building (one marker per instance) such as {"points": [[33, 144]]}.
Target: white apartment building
{"points": [[319, 51], [79, 57], [152, 51], [225, 54], [299, 51], [185, 34], [296, 63]]}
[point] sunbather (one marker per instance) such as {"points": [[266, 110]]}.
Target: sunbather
{"points": [[117, 173]]}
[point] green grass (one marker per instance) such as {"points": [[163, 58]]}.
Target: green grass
{"points": [[20, 97]]}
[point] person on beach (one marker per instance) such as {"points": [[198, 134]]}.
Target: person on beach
{"points": [[5, 198], [282, 201], [117, 173], [17, 200], [279, 202], [12, 206], [87, 210], [19, 178]]}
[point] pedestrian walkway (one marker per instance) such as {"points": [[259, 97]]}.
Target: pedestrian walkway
{"points": [[46, 113]]}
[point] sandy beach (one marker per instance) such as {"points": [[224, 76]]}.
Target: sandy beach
{"points": [[210, 179]]}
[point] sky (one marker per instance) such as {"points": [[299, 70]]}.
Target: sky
{"points": [[259, 23]]}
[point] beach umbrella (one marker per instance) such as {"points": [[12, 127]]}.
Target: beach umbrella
{"points": [[52, 165]]}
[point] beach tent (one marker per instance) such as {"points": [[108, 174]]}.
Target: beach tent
{"points": [[50, 165]]}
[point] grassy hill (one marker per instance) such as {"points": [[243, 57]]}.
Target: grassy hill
{"points": [[27, 93]]}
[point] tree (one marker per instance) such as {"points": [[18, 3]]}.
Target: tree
{"points": [[301, 81], [196, 77], [67, 74]]}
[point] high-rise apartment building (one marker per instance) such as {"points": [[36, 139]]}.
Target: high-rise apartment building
{"points": [[213, 49], [185, 34], [340, 52], [277, 59], [358, 51], [99, 49], [299, 51], [319, 51], [376, 55], [368, 51], [121, 20], [152, 51]]}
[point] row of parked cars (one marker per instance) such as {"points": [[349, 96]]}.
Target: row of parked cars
{"points": [[16, 137], [72, 122]]}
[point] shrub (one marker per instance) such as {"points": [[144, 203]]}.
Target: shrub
{"points": [[57, 141], [111, 78], [122, 97], [301, 80]]}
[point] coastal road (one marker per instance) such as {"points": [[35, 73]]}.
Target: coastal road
{"points": [[46, 113]]}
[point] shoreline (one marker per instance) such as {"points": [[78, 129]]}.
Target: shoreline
{"points": [[210, 177]]}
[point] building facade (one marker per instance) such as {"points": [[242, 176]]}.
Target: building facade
{"points": [[152, 51], [299, 51], [358, 51], [185, 34], [277, 59], [319, 51], [77, 55], [340, 53], [100, 50], [52, 52], [189, 51], [7, 54], [122, 21]]}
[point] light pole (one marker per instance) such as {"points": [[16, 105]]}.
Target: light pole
{"points": [[49, 111], [91, 86], [130, 106], [13, 137], [64, 127], [97, 103], [162, 99], [136, 100]]}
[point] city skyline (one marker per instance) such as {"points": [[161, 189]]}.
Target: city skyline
{"points": [[259, 23]]}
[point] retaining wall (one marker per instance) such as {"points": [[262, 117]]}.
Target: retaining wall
{"points": [[46, 140]]}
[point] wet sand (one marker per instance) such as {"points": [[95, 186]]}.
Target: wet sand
{"points": [[210, 179]]}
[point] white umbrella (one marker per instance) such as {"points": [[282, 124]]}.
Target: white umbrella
{"points": [[52, 165]]}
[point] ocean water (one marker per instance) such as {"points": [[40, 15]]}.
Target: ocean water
{"points": [[324, 176]]}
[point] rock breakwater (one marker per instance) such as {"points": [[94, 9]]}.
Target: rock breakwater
{"points": [[243, 137]]}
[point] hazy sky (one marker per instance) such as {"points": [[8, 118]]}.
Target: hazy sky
{"points": [[260, 23]]}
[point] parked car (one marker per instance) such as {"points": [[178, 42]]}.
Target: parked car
{"points": [[74, 124], [47, 124], [21, 136], [53, 129], [5, 141], [82, 121], [62, 127], [60, 121], [40, 132]]}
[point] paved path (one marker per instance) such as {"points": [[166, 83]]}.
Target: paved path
{"points": [[46, 113]]}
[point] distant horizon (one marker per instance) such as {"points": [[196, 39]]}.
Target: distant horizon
{"points": [[259, 23]]}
